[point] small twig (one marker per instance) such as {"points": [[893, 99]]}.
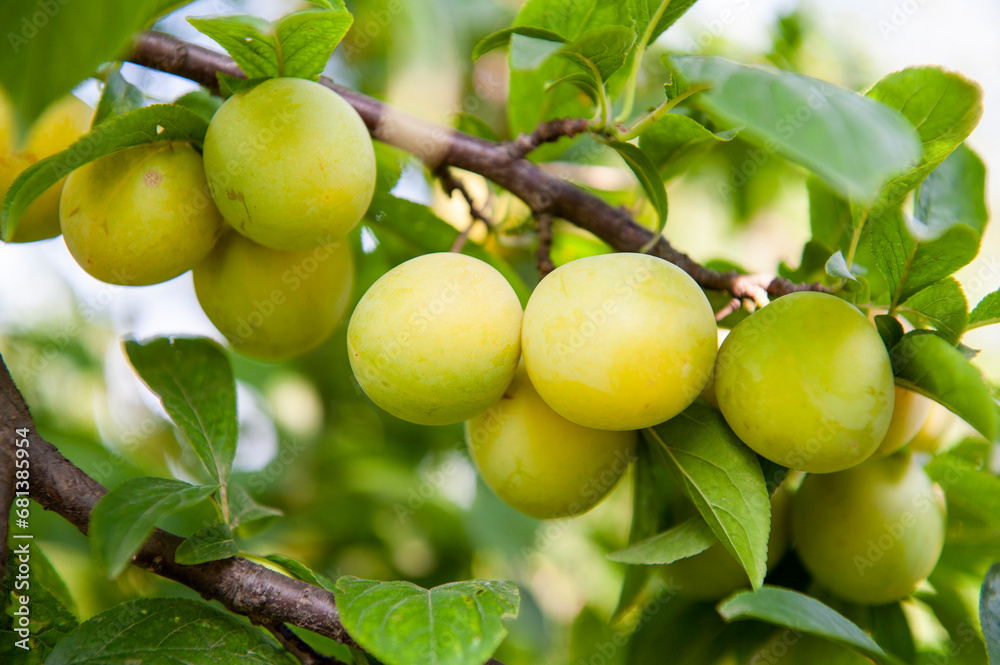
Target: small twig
{"points": [[546, 132], [298, 647], [728, 309], [544, 254], [450, 184]]}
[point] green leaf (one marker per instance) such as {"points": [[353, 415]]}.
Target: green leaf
{"points": [[160, 122], [585, 83], [168, 631], [890, 329], [502, 38], [967, 487], [688, 538], [846, 139], [722, 477], [989, 612], [418, 225], [308, 38], [298, 45], [986, 312], [830, 218], [246, 516], [50, 47], [891, 630], [910, 265], [604, 48], [954, 193], [48, 602], [528, 103], [943, 106], [645, 515], [453, 624], [836, 266], [675, 141], [784, 607], [230, 85], [926, 363], [941, 305], [194, 381], [648, 175], [302, 572], [123, 519], [202, 102], [210, 543], [644, 11], [118, 96]]}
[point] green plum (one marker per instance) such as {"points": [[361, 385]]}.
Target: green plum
{"points": [[290, 164], [55, 130], [806, 382], [141, 215], [619, 341], [908, 417], [540, 463], [273, 305], [872, 533], [714, 573], [436, 340]]}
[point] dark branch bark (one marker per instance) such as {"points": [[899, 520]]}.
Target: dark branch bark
{"points": [[439, 146], [243, 587], [544, 253], [296, 646]]}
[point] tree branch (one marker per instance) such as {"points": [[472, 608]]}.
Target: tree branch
{"points": [[503, 163], [298, 647], [543, 256], [266, 597]]}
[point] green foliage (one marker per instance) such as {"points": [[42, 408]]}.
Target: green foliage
{"points": [[675, 142], [161, 631], [648, 176], [123, 519], [119, 96], [653, 17], [798, 611], [853, 144], [194, 382], [986, 312], [50, 610], [944, 107], [928, 364], [722, 477], [51, 47], [967, 487], [160, 122], [690, 537], [209, 543], [298, 45], [941, 305], [401, 623]]}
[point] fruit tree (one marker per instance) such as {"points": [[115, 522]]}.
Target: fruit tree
{"points": [[584, 333]]}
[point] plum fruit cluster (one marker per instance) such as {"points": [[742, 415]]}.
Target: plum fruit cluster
{"points": [[259, 215], [552, 399]]}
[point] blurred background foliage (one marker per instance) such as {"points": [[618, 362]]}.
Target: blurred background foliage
{"points": [[366, 494]]}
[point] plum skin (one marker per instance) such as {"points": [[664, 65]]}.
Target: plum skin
{"points": [[872, 533], [806, 382], [908, 417], [436, 340], [290, 164], [538, 462], [59, 126], [274, 305], [141, 215], [618, 341]]}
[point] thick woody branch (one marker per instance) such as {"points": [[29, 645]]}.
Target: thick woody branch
{"points": [[503, 163], [243, 587]]}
